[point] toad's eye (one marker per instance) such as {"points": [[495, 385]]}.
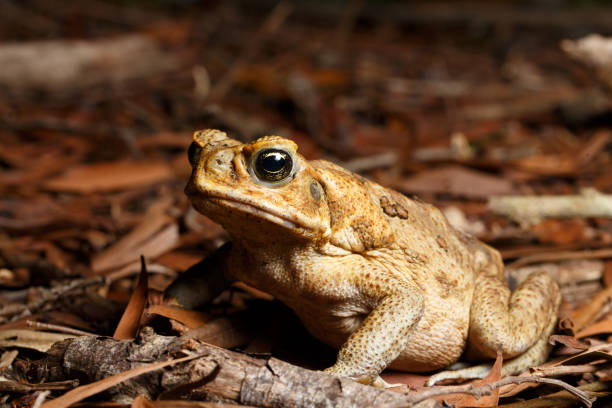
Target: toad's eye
{"points": [[194, 153], [273, 165]]}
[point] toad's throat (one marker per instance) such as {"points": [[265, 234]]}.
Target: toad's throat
{"points": [[260, 212]]}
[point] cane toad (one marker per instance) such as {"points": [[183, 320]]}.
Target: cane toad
{"points": [[381, 277]]}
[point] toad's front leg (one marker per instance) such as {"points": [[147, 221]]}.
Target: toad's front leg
{"points": [[382, 336]]}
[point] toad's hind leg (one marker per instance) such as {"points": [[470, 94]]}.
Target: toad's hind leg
{"points": [[516, 324], [534, 356]]}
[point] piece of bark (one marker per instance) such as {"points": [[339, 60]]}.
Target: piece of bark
{"points": [[221, 375], [70, 65]]}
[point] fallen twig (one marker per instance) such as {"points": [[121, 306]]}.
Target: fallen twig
{"points": [[361, 164], [528, 210], [564, 370], [57, 328], [486, 389], [555, 256], [560, 399]]}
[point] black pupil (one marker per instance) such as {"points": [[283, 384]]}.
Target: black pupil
{"points": [[273, 162], [273, 165]]}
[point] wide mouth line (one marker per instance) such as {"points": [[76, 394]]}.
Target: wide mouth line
{"points": [[259, 209]]}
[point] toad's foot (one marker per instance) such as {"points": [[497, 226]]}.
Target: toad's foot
{"points": [[375, 381], [479, 371]]}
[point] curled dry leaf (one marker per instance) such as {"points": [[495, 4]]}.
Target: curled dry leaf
{"points": [[569, 341], [130, 321]]}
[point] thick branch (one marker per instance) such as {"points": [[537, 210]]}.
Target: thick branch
{"points": [[225, 376], [221, 375]]}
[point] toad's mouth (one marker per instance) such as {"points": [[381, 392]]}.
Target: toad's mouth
{"points": [[268, 214]]}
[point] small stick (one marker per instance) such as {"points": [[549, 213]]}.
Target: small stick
{"points": [[528, 210], [57, 328], [561, 256], [40, 399], [564, 370], [361, 164], [486, 389]]}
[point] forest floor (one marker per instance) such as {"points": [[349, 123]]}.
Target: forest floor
{"points": [[460, 105]]}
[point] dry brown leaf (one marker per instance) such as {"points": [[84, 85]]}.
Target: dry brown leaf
{"points": [[189, 318], [607, 273], [153, 246], [594, 353], [85, 391], [130, 246], [561, 232], [457, 180], [111, 176], [460, 400], [604, 326], [227, 332], [569, 341], [130, 321], [582, 316], [141, 402], [548, 165]]}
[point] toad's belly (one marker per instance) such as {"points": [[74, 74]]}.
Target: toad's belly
{"points": [[437, 341]]}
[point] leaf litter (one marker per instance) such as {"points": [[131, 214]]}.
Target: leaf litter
{"points": [[92, 164]]}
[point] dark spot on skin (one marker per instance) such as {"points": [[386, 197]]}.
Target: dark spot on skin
{"points": [[392, 208], [315, 190], [441, 242]]}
